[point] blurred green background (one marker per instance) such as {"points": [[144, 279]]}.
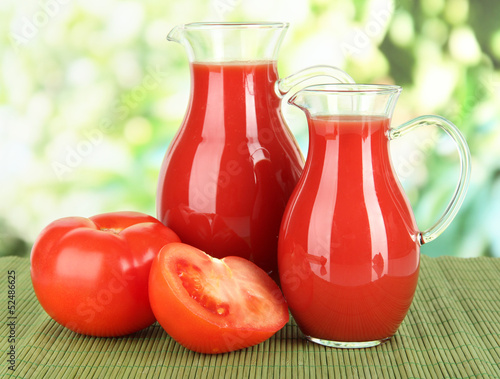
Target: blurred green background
{"points": [[91, 94]]}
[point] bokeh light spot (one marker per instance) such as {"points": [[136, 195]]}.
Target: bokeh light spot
{"points": [[138, 131]]}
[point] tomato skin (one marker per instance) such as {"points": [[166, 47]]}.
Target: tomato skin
{"points": [[91, 274], [197, 329]]}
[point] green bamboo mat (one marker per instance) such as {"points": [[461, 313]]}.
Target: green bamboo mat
{"points": [[451, 331]]}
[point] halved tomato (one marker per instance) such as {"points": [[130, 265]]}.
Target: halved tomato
{"points": [[214, 305]]}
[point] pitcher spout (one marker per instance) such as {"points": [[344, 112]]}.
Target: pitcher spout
{"points": [[176, 34]]}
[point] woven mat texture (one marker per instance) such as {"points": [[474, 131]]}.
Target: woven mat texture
{"points": [[451, 331]]}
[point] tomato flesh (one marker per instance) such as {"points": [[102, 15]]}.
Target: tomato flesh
{"points": [[213, 306], [193, 281]]}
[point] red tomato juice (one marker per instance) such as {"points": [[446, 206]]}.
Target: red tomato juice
{"points": [[348, 253], [232, 166]]}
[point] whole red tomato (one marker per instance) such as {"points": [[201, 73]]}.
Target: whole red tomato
{"points": [[91, 274], [212, 305]]}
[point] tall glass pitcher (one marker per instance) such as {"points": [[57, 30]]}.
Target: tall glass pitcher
{"points": [[349, 245], [233, 164]]}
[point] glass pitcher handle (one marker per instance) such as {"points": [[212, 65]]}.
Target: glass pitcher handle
{"points": [[309, 76], [463, 150]]}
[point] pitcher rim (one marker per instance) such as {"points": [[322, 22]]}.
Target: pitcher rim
{"points": [[235, 25], [353, 88]]}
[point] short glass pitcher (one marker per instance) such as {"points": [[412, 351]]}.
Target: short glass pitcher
{"points": [[349, 244]]}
